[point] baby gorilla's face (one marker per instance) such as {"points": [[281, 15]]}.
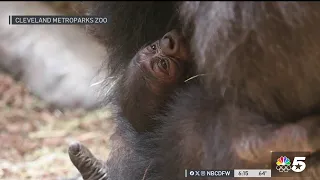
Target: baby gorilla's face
{"points": [[163, 64], [150, 80]]}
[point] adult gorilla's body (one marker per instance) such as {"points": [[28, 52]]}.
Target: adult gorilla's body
{"points": [[260, 57]]}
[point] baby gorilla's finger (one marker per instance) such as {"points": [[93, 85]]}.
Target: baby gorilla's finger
{"points": [[89, 166]]}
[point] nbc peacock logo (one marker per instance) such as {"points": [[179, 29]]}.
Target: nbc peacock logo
{"points": [[283, 164]]}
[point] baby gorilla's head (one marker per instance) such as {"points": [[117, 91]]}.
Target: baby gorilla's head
{"points": [[153, 75], [163, 64]]}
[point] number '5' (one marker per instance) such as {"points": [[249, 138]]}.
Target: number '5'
{"points": [[298, 161]]}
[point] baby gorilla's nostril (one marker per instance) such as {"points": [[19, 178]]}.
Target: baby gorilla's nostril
{"points": [[170, 44]]}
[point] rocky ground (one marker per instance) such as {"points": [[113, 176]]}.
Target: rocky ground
{"points": [[34, 137]]}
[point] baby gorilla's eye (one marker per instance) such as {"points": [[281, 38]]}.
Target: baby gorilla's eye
{"points": [[165, 67], [163, 64], [153, 47]]}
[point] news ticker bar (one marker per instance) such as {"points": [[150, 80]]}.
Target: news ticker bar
{"points": [[27, 20], [229, 173]]}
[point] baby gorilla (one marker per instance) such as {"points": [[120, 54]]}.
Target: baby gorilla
{"points": [[150, 80]]}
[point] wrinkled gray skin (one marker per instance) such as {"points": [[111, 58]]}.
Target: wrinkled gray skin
{"points": [[262, 57]]}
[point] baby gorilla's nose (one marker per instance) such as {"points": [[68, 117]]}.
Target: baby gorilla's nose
{"points": [[172, 44]]}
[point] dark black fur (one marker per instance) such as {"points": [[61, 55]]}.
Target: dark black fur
{"points": [[260, 57]]}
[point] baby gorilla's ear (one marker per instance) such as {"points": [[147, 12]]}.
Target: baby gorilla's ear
{"points": [[89, 166]]}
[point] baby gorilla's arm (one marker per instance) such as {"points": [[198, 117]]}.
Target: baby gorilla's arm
{"points": [[301, 136], [88, 165]]}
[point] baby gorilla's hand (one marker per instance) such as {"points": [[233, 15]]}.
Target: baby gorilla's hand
{"points": [[89, 166]]}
